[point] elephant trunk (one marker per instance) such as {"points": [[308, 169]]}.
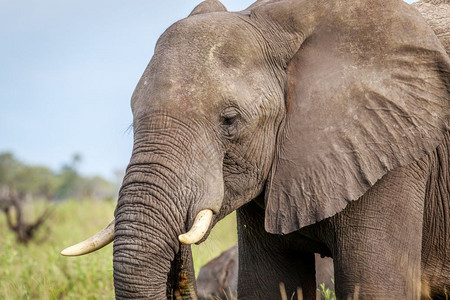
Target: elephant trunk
{"points": [[145, 247], [164, 189]]}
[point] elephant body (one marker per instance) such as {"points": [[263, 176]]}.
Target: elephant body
{"points": [[218, 278], [435, 242], [396, 245], [437, 15], [323, 123]]}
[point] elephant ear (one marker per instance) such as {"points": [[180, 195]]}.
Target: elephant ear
{"points": [[367, 91], [208, 6], [437, 15]]}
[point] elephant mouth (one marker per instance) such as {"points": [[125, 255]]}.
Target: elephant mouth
{"points": [[181, 279]]}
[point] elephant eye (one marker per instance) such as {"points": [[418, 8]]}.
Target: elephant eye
{"points": [[229, 122], [229, 116]]}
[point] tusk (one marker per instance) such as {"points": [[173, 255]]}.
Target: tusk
{"points": [[95, 242], [198, 230]]}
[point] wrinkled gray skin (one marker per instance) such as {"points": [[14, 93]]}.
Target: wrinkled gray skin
{"points": [[323, 123], [218, 278], [437, 14]]}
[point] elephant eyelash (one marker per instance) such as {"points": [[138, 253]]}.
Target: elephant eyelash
{"points": [[229, 116], [129, 129], [229, 122]]}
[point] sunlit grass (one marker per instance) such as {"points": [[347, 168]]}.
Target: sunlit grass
{"points": [[38, 271]]}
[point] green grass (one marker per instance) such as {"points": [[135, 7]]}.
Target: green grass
{"points": [[325, 292], [38, 271]]}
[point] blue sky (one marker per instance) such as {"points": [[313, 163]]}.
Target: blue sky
{"points": [[67, 72], [68, 69]]}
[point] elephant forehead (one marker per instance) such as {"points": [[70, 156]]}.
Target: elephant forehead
{"points": [[197, 63], [208, 40], [198, 90]]}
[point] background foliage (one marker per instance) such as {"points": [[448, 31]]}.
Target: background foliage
{"points": [[38, 271], [41, 182]]}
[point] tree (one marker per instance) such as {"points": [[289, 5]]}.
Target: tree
{"points": [[41, 182], [12, 206]]}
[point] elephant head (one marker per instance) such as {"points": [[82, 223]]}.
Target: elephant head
{"points": [[307, 103]]}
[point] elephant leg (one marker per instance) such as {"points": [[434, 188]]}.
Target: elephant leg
{"points": [[266, 260], [377, 240]]}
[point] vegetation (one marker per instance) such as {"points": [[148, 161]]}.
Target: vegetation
{"points": [[34, 182], [14, 208], [325, 292], [21, 185], [38, 271]]}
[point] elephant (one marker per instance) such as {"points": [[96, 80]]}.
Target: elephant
{"points": [[218, 278], [437, 15], [323, 124]]}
